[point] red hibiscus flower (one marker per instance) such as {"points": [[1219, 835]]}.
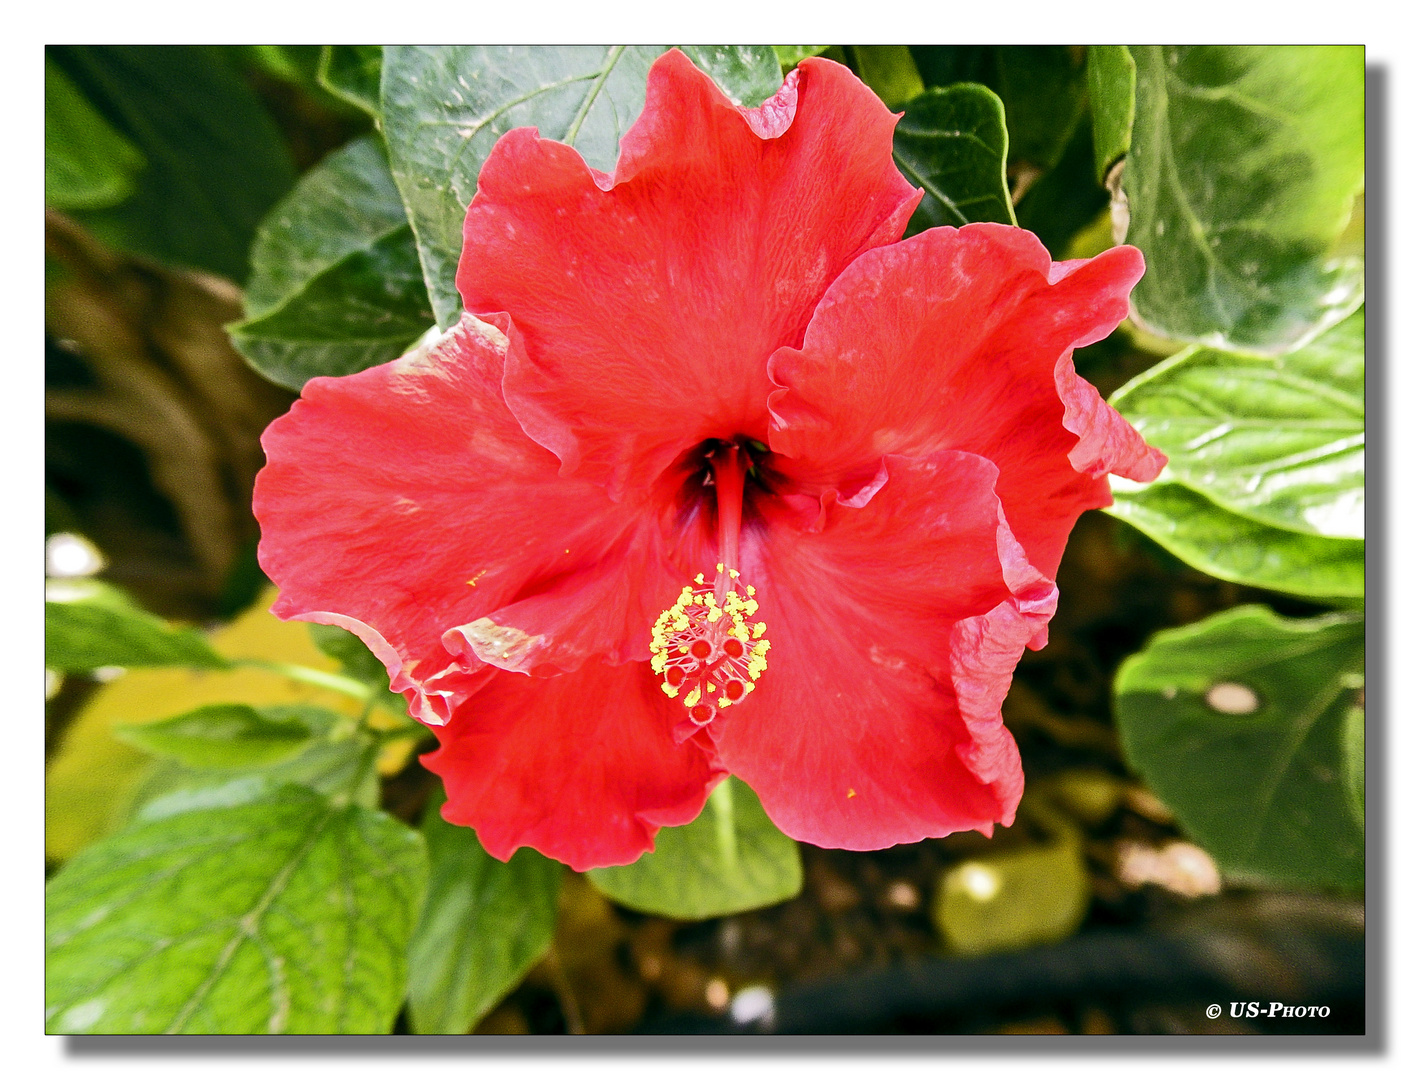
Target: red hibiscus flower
{"points": [[722, 476]]}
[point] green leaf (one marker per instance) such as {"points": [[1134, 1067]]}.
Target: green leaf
{"points": [[1279, 440], [288, 914], [353, 73], [88, 627], [485, 924], [331, 763], [748, 74], [1239, 549], [224, 736], [1111, 87], [731, 858], [358, 662], [790, 56], [1043, 88], [1244, 167], [216, 162], [87, 165], [1236, 723], [1013, 899], [889, 71], [1064, 201], [952, 143], [444, 108], [336, 282]]}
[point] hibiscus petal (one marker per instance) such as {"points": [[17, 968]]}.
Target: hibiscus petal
{"points": [[963, 339], [581, 767], [405, 500], [650, 301], [894, 631]]}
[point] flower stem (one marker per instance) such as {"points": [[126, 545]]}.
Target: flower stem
{"points": [[325, 680]]}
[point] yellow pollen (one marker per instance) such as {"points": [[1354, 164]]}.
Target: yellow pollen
{"points": [[703, 645]]}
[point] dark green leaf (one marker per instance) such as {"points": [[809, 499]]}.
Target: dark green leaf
{"points": [[485, 924], [224, 736], [336, 283], [216, 163], [731, 858], [1111, 87], [952, 143], [1237, 548], [444, 108], [288, 914], [889, 71], [748, 74], [88, 627], [1043, 88], [1244, 167], [87, 165], [1279, 440], [353, 73], [1237, 724], [1064, 200]]}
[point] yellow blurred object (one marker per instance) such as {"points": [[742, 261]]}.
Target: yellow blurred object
{"points": [[93, 778]]}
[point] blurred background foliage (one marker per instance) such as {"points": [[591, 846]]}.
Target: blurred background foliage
{"points": [[223, 223]]}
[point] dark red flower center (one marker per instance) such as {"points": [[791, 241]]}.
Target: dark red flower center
{"points": [[708, 646]]}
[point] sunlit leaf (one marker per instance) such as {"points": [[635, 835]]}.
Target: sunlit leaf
{"points": [[444, 108], [1276, 439], [1238, 725], [484, 925], [889, 71], [1237, 548], [88, 627], [952, 144], [731, 858], [287, 914], [224, 736], [1244, 166]]}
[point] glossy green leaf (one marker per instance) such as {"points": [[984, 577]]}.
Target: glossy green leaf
{"points": [[1239, 549], [288, 914], [444, 108], [1111, 88], [87, 165], [1244, 167], [224, 736], [952, 144], [485, 924], [1276, 439], [87, 627], [336, 283], [889, 71], [1065, 200], [1237, 723], [748, 74], [215, 161], [731, 858], [353, 73]]}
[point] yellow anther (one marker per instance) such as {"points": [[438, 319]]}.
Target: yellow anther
{"points": [[692, 698], [759, 629], [715, 614], [710, 687], [669, 690], [734, 573], [719, 566], [699, 580], [749, 589], [725, 703]]}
